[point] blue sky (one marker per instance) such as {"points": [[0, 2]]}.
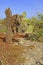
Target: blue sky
{"points": [[32, 7]]}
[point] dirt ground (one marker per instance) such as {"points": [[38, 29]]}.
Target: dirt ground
{"points": [[24, 52]]}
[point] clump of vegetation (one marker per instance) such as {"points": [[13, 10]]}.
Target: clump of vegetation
{"points": [[33, 26]]}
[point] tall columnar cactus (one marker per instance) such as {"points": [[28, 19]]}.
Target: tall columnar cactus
{"points": [[8, 25], [11, 21]]}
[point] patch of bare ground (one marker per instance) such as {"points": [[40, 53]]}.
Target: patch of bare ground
{"points": [[11, 54], [23, 52]]}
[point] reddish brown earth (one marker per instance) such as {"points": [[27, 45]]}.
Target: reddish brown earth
{"points": [[11, 54], [16, 36], [29, 51]]}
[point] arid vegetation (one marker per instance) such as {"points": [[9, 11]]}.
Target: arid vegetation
{"points": [[21, 39], [31, 26]]}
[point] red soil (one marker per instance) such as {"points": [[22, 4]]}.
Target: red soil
{"points": [[16, 36], [10, 54]]}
